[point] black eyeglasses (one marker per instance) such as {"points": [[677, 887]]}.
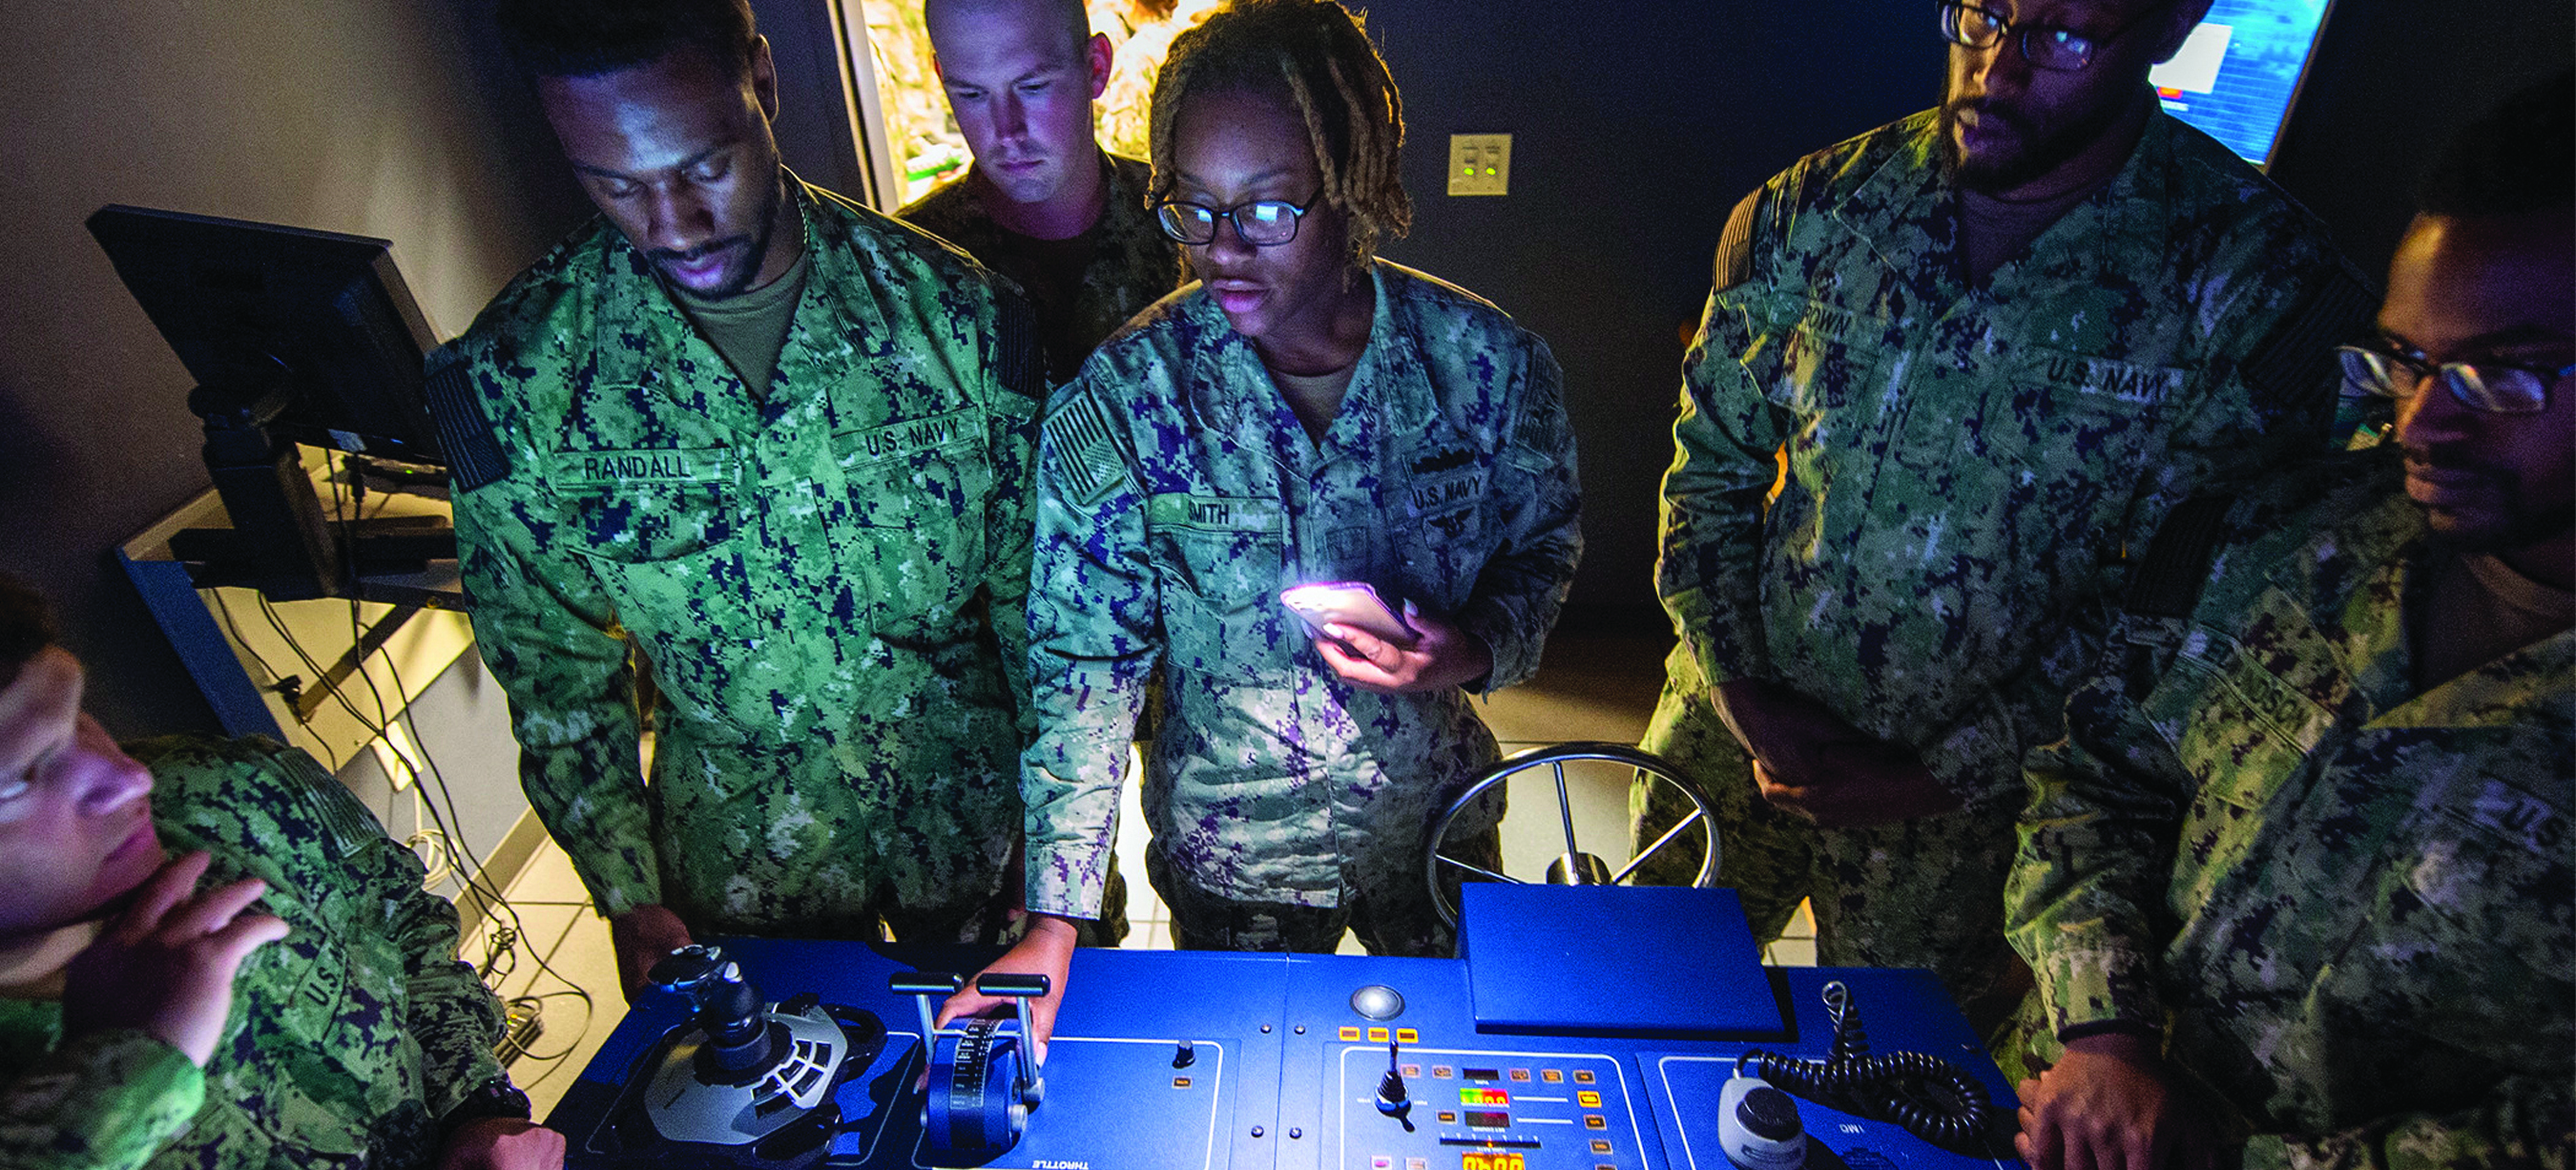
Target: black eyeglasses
{"points": [[2492, 387], [2045, 46], [1261, 223]]}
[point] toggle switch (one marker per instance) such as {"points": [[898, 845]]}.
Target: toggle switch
{"points": [[1480, 164]]}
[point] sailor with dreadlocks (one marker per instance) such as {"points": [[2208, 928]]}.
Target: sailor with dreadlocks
{"points": [[1304, 413]]}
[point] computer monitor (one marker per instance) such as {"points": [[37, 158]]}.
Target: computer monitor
{"points": [[255, 309], [2238, 75], [295, 337]]}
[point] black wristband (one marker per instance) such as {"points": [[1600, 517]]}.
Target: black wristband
{"points": [[496, 1097]]}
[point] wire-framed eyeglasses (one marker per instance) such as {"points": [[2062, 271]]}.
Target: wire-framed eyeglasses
{"points": [[2492, 387]]}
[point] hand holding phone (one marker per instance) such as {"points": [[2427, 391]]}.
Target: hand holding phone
{"points": [[1351, 603]]}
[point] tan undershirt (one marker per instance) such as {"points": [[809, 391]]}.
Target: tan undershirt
{"points": [[748, 329], [1305, 392], [2480, 610], [1996, 230]]}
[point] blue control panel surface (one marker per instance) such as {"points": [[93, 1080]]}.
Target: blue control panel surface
{"points": [[1525, 944], [1283, 1068]]}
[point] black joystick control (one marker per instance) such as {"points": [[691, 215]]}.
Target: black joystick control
{"points": [[741, 1045], [1390, 1088]]}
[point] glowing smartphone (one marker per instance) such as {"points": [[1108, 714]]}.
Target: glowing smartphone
{"points": [[1351, 603]]}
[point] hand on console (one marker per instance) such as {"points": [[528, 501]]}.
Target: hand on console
{"points": [[165, 965], [1046, 950], [2109, 1104], [502, 1143], [642, 937]]}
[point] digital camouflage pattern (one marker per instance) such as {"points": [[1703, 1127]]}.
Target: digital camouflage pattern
{"points": [[827, 585], [1133, 264], [1960, 469], [348, 1039], [2352, 900], [1177, 494]]}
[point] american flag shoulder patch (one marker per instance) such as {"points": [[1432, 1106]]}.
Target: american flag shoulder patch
{"points": [[1084, 451]]}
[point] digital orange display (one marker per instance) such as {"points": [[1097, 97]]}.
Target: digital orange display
{"points": [[1475, 1096], [1499, 1160]]}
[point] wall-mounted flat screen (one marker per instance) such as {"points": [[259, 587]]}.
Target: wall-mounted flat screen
{"points": [[2237, 75]]}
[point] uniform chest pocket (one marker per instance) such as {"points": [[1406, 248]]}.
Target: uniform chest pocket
{"points": [[1221, 560], [2250, 725], [919, 472], [2463, 930], [1818, 361], [2489, 857], [915, 494], [313, 999], [648, 506], [1225, 553], [2069, 418], [1443, 544]]}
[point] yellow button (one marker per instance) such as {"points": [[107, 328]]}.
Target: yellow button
{"points": [[1377, 1035], [1180, 1082], [1447, 1117], [1552, 1076], [1350, 1033], [1588, 1098], [1407, 1036]]}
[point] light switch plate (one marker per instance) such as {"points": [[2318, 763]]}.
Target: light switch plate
{"points": [[1480, 164]]}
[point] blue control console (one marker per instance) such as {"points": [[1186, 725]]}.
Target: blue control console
{"points": [[1211, 1061]]}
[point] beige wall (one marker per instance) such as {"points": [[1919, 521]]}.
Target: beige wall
{"points": [[388, 118]]}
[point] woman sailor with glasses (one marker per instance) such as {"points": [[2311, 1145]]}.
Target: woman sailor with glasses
{"points": [[1305, 413]]}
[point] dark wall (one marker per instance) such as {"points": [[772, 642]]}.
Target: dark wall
{"points": [[384, 119], [1635, 128], [2393, 80]]}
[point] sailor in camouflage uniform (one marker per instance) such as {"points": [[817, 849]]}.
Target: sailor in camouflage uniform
{"points": [[1217, 451], [2308, 831], [1131, 263], [1977, 367], [1043, 204], [821, 557], [157, 1035], [1175, 503]]}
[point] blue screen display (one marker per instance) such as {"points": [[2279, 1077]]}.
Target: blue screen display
{"points": [[2236, 75]]}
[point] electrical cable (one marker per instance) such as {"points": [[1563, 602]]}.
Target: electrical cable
{"points": [[1931, 1097], [473, 877]]}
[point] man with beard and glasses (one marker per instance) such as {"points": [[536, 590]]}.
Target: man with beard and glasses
{"points": [[2297, 883], [774, 449], [1043, 204], [1951, 372]]}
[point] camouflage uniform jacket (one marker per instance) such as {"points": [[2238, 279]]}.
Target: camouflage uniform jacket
{"points": [[1960, 467], [1133, 264], [827, 585], [1177, 494], [2351, 899], [347, 1041]]}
